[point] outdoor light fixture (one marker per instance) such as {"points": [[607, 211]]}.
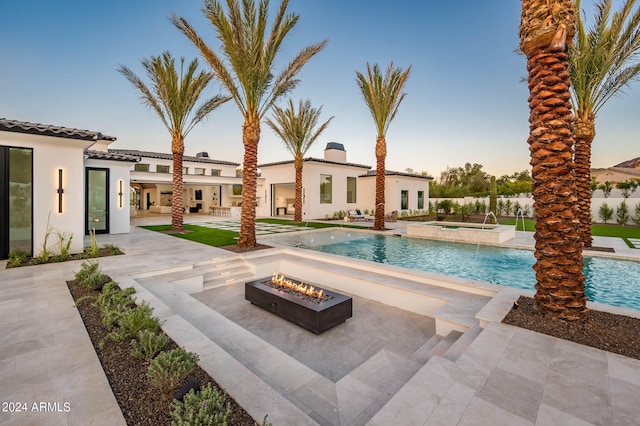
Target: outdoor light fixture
{"points": [[60, 191], [120, 192]]}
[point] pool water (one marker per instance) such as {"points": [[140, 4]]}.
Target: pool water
{"points": [[611, 281]]}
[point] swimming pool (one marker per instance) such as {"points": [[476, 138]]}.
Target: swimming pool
{"points": [[611, 281]]}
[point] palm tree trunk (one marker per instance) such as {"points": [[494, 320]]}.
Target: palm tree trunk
{"points": [[250, 138], [177, 197], [381, 155], [558, 250], [298, 165], [584, 134]]}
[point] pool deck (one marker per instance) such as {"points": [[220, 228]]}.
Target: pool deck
{"points": [[496, 375]]}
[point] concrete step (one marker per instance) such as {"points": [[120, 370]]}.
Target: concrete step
{"points": [[423, 354], [229, 271], [226, 280], [462, 343], [443, 346]]}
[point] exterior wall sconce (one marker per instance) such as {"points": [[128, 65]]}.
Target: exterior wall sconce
{"points": [[60, 191], [120, 193]]}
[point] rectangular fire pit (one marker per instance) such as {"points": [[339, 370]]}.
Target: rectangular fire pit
{"points": [[315, 317]]}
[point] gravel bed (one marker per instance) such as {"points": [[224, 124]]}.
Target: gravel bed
{"points": [[602, 330], [140, 402]]}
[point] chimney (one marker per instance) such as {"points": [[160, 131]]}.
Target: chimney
{"points": [[202, 155], [335, 152]]}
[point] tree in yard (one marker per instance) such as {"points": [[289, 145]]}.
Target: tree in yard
{"points": [[605, 212], [606, 187], [636, 216], [173, 97], [602, 62], [546, 30], [627, 187], [245, 65], [383, 95], [296, 129]]}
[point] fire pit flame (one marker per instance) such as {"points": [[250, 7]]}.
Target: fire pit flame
{"points": [[308, 290]]}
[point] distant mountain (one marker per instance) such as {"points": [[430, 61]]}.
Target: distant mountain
{"points": [[630, 164]]}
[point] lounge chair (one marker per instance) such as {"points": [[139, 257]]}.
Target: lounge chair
{"points": [[355, 215]]}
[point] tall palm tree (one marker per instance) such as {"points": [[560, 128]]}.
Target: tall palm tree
{"points": [[296, 129], [383, 96], [173, 97], [602, 61], [249, 77], [546, 30]]}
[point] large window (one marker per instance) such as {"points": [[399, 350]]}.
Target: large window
{"points": [[199, 171], [162, 169], [141, 167], [420, 200], [404, 200], [97, 200], [351, 190], [325, 189], [16, 196], [215, 172]]}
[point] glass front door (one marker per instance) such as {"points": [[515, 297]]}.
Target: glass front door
{"points": [[16, 200], [97, 209]]}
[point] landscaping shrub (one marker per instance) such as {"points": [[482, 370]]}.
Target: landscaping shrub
{"points": [[168, 369], [129, 322], [112, 303], [205, 407], [147, 344], [622, 214], [636, 216], [605, 212], [17, 257]]}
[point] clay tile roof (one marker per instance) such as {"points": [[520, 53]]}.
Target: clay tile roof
{"points": [[166, 156], [392, 173], [316, 160], [50, 130], [102, 155]]}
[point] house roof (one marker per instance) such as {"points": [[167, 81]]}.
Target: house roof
{"points": [[372, 173], [49, 130], [164, 156], [316, 160], [102, 155]]}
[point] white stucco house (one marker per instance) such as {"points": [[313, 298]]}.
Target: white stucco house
{"points": [[64, 181], [58, 181], [332, 184]]}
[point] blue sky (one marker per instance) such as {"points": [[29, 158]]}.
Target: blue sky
{"points": [[465, 100]]}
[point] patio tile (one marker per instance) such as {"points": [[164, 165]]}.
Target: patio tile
{"points": [[624, 402], [353, 397], [577, 398], [513, 393], [548, 415], [481, 413], [319, 394], [452, 406]]}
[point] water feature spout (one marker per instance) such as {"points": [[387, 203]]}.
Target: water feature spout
{"points": [[520, 213], [486, 216]]}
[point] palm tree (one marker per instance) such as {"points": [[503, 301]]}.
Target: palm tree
{"points": [[173, 97], [296, 129], [602, 61], [249, 77], [546, 30], [383, 96]]}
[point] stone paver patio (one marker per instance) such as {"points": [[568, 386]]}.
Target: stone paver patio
{"points": [[504, 375]]}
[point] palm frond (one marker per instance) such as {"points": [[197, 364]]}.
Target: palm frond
{"points": [[383, 94]]}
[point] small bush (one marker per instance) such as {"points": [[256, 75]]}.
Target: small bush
{"points": [[605, 212], [113, 302], [148, 344], [17, 257], [636, 217], [113, 250], [168, 369], [622, 214], [129, 322], [87, 269], [205, 407]]}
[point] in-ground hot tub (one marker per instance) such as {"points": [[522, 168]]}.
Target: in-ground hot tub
{"points": [[462, 232]]}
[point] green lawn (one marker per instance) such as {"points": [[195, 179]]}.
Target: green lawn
{"points": [[600, 230], [200, 234], [218, 237]]}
